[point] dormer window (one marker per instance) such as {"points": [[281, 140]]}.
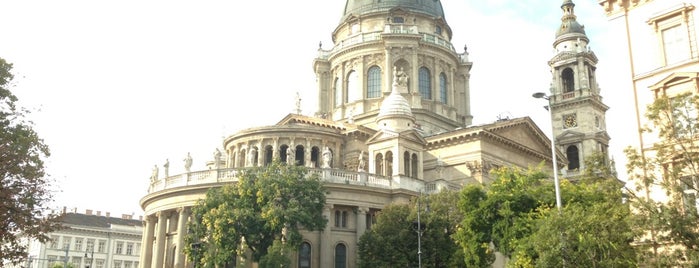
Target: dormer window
{"points": [[398, 20], [437, 30]]}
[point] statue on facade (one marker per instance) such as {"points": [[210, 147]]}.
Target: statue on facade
{"points": [[166, 168], [251, 156], [327, 157], [154, 174], [188, 162], [361, 163], [400, 78], [289, 155], [217, 158]]}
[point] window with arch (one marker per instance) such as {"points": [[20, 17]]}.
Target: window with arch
{"points": [[573, 157], [406, 164], [389, 163], [413, 165], [378, 161], [300, 155], [568, 79], [353, 91], [425, 83], [268, 154], [255, 153], [340, 256], [373, 83], [337, 88], [315, 153], [305, 255], [243, 155], [282, 153], [443, 88]]}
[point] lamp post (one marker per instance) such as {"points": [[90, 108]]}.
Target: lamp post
{"points": [[420, 228], [92, 257], [541, 95]]}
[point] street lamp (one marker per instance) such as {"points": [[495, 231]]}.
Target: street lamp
{"points": [[541, 95], [92, 257], [420, 228]]}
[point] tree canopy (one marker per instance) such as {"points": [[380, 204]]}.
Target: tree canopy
{"points": [[263, 212], [392, 240], [516, 216], [24, 185], [664, 181]]}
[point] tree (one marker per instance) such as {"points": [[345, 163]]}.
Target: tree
{"points": [[516, 216], [24, 186], [665, 180], [392, 241], [263, 213]]}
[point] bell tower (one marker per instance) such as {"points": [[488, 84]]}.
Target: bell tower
{"points": [[576, 104]]}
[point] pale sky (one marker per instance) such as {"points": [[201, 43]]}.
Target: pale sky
{"points": [[119, 86]]}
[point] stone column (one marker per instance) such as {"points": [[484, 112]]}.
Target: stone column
{"points": [[275, 150], [325, 239], [147, 242], [181, 232], [361, 221], [388, 72], [160, 240]]}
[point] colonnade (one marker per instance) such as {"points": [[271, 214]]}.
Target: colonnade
{"points": [[163, 239], [300, 151]]}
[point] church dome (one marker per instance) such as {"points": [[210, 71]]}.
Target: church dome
{"points": [[569, 24], [395, 105], [359, 7]]}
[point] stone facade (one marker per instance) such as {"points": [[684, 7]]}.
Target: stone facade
{"points": [[393, 121]]}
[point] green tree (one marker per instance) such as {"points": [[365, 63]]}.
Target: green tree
{"points": [[516, 216], [392, 240], [666, 223], [24, 186], [60, 265], [263, 213]]}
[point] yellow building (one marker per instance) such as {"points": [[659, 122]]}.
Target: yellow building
{"points": [[393, 120]]}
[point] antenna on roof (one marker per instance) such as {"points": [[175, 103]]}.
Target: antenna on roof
{"points": [[504, 116]]}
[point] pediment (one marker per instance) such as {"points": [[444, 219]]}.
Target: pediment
{"points": [[408, 135], [570, 135], [524, 132], [675, 79], [296, 119]]}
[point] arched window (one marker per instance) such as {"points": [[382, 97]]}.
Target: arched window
{"points": [[243, 156], [255, 154], [568, 80], [406, 164], [337, 88], [353, 91], [282, 153], [305, 255], [425, 83], [340, 256], [573, 157], [373, 83], [378, 161], [443, 88], [413, 164], [315, 152], [300, 155], [268, 154], [389, 163]]}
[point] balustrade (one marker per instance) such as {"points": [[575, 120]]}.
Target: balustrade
{"points": [[231, 175]]}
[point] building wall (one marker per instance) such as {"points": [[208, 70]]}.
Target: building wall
{"points": [[116, 246], [646, 27]]}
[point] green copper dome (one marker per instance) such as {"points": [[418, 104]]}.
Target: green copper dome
{"points": [[360, 7]]}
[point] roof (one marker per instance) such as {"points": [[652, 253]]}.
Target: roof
{"points": [[97, 221], [360, 7]]}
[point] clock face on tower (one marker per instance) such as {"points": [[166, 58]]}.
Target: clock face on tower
{"points": [[570, 121]]}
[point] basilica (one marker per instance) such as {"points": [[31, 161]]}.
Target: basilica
{"points": [[393, 121]]}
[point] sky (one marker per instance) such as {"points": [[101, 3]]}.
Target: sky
{"points": [[116, 87]]}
